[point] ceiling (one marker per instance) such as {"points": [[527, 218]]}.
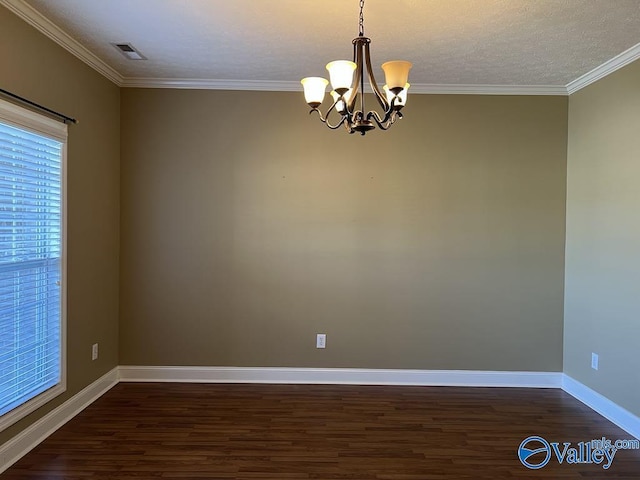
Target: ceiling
{"points": [[473, 46]]}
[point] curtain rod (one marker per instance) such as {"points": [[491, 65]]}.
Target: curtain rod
{"points": [[60, 116]]}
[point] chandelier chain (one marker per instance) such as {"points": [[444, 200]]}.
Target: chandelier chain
{"points": [[361, 24]]}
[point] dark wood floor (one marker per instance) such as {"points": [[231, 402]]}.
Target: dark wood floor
{"points": [[209, 431]]}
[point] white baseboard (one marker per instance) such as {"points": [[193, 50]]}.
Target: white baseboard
{"points": [[25, 441], [605, 407], [352, 376], [355, 376]]}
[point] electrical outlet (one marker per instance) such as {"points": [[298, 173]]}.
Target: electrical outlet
{"points": [[594, 361], [94, 351], [321, 340]]}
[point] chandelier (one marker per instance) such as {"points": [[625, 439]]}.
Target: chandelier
{"points": [[347, 82]]}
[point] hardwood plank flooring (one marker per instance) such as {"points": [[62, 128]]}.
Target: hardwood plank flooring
{"points": [[212, 431]]}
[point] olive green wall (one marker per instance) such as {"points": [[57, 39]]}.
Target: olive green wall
{"points": [[247, 227], [602, 303], [34, 67]]}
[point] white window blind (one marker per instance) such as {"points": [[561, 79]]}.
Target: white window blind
{"points": [[31, 252]]}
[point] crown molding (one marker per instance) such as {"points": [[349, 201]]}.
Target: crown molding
{"points": [[607, 68], [55, 33], [462, 89], [287, 86], [207, 84]]}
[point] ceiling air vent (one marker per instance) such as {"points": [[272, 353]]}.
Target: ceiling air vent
{"points": [[129, 51]]}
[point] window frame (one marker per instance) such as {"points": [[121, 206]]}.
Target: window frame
{"points": [[19, 117]]}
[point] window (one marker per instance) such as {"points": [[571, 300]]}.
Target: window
{"points": [[32, 293]]}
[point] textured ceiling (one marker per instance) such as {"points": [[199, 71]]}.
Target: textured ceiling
{"points": [[471, 42]]}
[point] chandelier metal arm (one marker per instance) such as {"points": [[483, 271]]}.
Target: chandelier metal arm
{"points": [[382, 100], [357, 81], [362, 58], [387, 121], [325, 119]]}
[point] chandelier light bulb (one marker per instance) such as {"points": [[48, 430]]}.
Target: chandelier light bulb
{"points": [[401, 98], [341, 101]]}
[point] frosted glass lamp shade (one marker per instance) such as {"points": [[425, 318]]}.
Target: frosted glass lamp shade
{"points": [[341, 74], [396, 73], [314, 88], [401, 99]]}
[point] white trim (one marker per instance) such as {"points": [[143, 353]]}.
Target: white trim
{"points": [[22, 117], [211, 84], [462, 89], [25, 119], [30, 406], [287, 86], [605, 407], [350, 376], [607, 68], [55, 33], [24, 442]]}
